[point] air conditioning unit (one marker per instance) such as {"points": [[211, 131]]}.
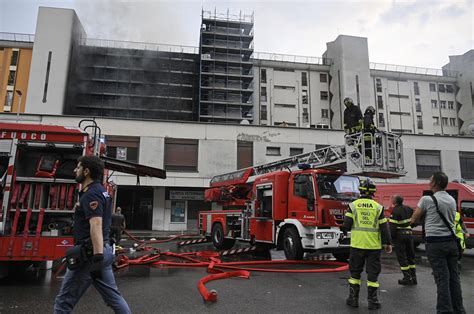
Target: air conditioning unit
{"points": [[322, 126]]}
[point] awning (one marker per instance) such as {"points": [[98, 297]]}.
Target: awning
{"points": [[133, 168]]}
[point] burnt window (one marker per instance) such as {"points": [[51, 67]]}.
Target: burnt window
{"points": [[467, 165], [304, 79], [263, 75], [427, 163]]}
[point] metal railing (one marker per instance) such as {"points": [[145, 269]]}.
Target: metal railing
{"points": [[29, 38], [291, 58], [106, 43], [412, 69], [228, 17]]}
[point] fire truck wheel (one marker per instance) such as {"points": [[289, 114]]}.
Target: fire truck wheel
{"points": [[218, 239], [292, 244]]}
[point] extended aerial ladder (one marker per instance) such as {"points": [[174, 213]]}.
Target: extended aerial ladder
{"points": [[378, 155]]}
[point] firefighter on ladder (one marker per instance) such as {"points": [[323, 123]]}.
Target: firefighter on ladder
{"points": [[402, 236], [368, 225], [353, 120]]}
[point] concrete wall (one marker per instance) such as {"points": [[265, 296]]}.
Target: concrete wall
{"points": [[56, 31]]}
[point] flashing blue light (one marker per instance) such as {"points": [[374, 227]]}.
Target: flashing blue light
{"points": [[304, 166]]}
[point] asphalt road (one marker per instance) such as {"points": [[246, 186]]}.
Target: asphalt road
{"points": [[173, 290]]}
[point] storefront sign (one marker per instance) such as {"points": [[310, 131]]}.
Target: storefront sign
{"points": [[187, 195]]}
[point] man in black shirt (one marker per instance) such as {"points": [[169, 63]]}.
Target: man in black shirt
{"points": [[353, 121], [403, 240], [91, 230], [117, 226]]}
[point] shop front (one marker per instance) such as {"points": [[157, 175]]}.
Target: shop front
{"points": [[184, 205]]}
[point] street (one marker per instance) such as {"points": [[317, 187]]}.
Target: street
{"points": [[173, 290]]}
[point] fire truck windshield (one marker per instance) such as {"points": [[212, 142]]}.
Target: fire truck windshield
{"points": [[344, 188]]}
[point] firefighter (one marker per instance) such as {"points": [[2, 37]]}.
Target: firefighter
{"points": [[91, 233], [402, 236], [365, 218], [460, 229], [369, 131], [353, 121]]}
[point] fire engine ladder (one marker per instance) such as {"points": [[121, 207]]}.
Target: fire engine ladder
{"points": [[378, 155]]}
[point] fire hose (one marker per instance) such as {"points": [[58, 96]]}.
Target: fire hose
{"points": [[215, 266]]}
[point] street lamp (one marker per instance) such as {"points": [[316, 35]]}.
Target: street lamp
{"points": [[19, 93]]}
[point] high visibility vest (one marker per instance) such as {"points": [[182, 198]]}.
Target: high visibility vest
{"points": [[365, 232], [459, 231]]}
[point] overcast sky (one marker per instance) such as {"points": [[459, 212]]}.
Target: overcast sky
{"points": [[411, 32]]}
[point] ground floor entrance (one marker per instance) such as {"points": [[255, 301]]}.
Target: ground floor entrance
{"points": [[137, 206]]}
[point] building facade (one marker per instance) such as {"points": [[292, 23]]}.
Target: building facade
{"points": [[207, 110]]}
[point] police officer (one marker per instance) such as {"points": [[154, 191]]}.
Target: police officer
{"points": [[353, 121], [91, 229], [366, 220], [402, 236]]}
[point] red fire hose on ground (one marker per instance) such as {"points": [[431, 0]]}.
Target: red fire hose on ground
{"points": [[214, 265]]}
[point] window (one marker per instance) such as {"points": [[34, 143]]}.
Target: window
{"points": [[181, 154], [419, 120], [323, 77], [442, 104], [305, 115], [378, 84], [324, 113], [178, 211], [304, 96], [441, 88], [432, 87], [450, 104], [324, 95], [263, 75], [284, 87], [9, 99], [285, 105], [319, 146], [417, 105], [244, 154], [263, 113], [467, 165], [434, 104], [416, 88], [449, 88], [273, 151], [14, 59], [452, 121], [11, 78], [398, 96], [427, 162], [304, 79], [444, 121], [381, 120], [263, 94], [304, 187], [295, 151], [123, 147], [380, 102], [435, 120]]}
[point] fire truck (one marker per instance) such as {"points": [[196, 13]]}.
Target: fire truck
{"points": [[462, 193], [298, 204], [39, 191]]}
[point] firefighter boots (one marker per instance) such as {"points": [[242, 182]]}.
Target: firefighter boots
{"points": [[372, 298], [407, 279], [353, 299], [413, 276]]}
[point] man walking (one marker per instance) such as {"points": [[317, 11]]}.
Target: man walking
{"points": [[402, 237], [441, 247], [368, 225], [117, 226], [91, 231]]}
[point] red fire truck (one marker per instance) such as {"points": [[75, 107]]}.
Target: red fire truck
{"points": [[297, 204], [462, 193], [38, 190]]}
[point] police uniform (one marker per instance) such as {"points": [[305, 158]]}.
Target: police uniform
{"points": [[94, 201], [402, 236], [365, 218]]}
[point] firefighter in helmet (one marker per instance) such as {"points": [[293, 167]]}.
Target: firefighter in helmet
{"points": [[369, 131], [353, 121], [365, 218]]}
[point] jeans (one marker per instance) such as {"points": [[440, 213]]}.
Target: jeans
{"points": [[443, 257], [76, 283]]}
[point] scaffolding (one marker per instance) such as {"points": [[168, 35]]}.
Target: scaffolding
{"points": [[226, 68], [133, 80]]}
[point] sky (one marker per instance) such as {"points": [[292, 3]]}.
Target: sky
{"points": [[421, 33]]}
